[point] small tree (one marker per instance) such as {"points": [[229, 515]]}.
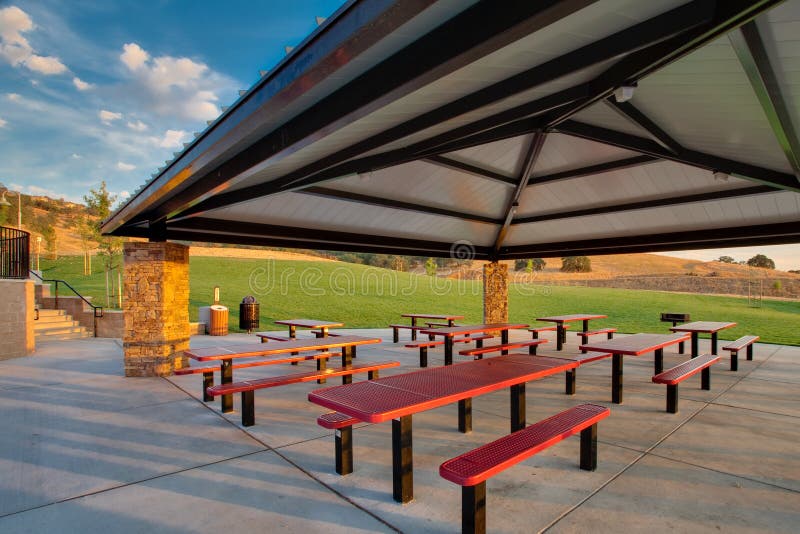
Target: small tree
{"points": [[576, 264], [726, 259], [759, 260], [99, 202], [520, 264], [430, 267], [538, 264]]}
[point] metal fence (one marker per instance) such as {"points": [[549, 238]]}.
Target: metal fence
{"points": [[14, 253]]}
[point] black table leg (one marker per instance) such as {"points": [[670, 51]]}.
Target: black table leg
{"points": [[293, 335], [226, 372], [714, 343], [695, 341], [616, 379], [413, 330], [517, 407], [504, 340], [448, 350], [402, 460], [659, 361], [585, 325], [465, 416], [559, 336]]}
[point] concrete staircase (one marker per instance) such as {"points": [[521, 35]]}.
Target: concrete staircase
{"points": [[57, 325]]}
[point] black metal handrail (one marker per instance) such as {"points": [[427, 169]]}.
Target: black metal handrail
{"points": [[98, 310], [14, 253]]}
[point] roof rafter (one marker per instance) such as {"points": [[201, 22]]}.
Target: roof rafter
{"points": [[764, 234], [776, 179], [396, 204], [599, 168], [469, 168], [528, 162], [633, 115], [752, 54], [646, 204]]}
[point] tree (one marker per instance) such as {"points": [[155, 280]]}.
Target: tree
{"points": [[759, 260], [520, 265], [726, 259], [538, 264], [99, 202], [576, 264], [430, 267]]}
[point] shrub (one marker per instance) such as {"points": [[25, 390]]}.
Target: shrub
{"points": [[576, 264]]}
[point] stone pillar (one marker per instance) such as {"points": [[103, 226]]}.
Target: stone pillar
{"points": [[16, 318], [156, 308], [495, 293]]}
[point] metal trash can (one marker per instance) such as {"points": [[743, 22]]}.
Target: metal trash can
{"points": [[248, 314], [218, 324]]}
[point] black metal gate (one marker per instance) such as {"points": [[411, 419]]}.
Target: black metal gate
{"points": [[14, 253]]}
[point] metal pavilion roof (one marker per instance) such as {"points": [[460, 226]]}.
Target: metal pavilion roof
{"points": [[407, 127]]}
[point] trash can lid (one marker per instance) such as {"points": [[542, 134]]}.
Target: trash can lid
{"points": [[217, 307]]}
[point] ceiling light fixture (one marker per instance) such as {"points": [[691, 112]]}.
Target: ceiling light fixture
{"points": [[624, 92]]}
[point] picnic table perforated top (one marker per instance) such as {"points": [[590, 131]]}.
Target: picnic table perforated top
{"points": [[637, 344], [260, 349]]}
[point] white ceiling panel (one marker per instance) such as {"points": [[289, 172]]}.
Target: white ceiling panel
{"points": [[602, 115], [563, 152], [313, 212]]}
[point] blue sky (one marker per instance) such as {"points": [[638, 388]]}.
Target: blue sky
{"points": [[108, 90]]}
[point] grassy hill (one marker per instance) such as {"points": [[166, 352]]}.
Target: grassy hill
{"points": [[362, 296]]}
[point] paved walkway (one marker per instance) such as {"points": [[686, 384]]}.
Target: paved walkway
{"points": [[83, 449]]}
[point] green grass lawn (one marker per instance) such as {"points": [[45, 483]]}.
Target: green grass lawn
{"points": [[361, 296]]}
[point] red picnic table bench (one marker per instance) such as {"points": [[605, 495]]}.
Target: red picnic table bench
{"points": [[398, 397], [561, 320], [226, 355]]}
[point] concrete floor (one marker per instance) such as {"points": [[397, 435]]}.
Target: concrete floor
{"points": [[83, 449]]}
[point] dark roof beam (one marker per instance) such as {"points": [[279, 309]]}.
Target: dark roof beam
{"points": [[752, 53], [632, 114], [776, 179], [590, 170], [469, 168]]}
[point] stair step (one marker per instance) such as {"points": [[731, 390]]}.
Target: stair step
{"points": [[51, 319], [55, 325], [52, 313], [62, 337], [59, 330]]}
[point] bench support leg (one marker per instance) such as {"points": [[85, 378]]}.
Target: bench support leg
{"points": [[344, 450], [372, 375], [208, 381], [532, 350], [714, 343], [413, 330], [395, 335], [672, 398], [584, 341], [517, 407], [504, 341], [248, 408], [322, 364], [658, 361], [448, 350], [479, 344], [695, 342], [402, 460], [473, 509], [560, 337], [616, 379], [681, 347], [570, 382], [348, 353], [705, 379], [226, 372], [750, 352], [465, 416], [610, 335], [734, 360], [423, 356], [589, 448]]}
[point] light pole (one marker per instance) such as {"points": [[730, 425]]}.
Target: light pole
{"points": [[4, 202]]}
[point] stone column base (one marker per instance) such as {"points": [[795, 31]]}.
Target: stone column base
{"points": [[495, 293]]}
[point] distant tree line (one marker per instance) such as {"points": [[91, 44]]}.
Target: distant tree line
{"points": [[759, 260]]}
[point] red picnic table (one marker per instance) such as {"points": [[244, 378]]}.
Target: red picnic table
{"points": [[451, 319], [323, 326], [398, 397], [560, 320], [634, 345], [227, 354], [450, 332], [705, 327]]}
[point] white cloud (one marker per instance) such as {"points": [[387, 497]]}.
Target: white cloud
{"points": [[107, 116], [122, 195], [16, 49], [76, 156], [172, 139], [3, 123], [125, 166], [174, 86], [35, 83], [133, 56], [137, 126], [81, 85], [45, 64], [14, 97]]}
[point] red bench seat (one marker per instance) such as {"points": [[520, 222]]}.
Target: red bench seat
{"points": [[679, 373], [478, 352], [735, 346], [472, 469], [343, 424]]}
